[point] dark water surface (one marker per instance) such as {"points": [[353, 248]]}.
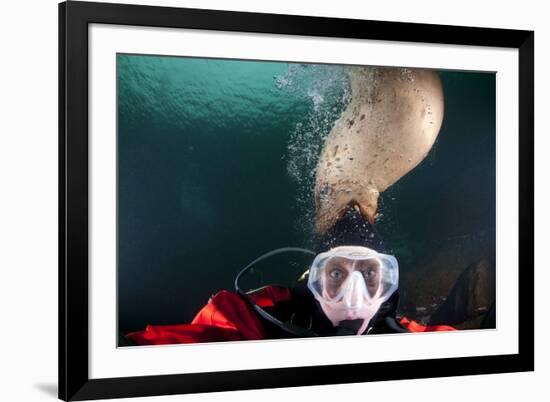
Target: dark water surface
{"points": [[216, 163]]}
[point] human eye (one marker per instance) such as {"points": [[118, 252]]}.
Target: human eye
{"points": [[365, 272], [369, 272], [336, 273]]}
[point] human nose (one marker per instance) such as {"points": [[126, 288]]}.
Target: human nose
{"points": [[354, 294]]}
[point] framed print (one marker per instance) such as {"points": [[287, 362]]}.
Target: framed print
{"points": [[257, 200]]}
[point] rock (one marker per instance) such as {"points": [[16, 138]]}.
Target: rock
{"points": [[428, 280], [471, 299], [430, 271]]}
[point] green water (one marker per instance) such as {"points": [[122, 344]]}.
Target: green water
{"points": [[216, 160]]}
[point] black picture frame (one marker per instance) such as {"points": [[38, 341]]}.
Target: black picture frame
{"points": [[74, 18]]}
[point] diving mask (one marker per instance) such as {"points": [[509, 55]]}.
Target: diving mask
{"points": [[352, 282]]}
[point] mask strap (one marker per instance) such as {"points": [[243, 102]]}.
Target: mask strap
{"points": [[287, 327]]}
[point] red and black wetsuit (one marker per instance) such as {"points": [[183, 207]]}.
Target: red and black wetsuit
{"points": [[228, 317]]}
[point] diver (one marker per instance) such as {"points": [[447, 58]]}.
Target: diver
{"points": [[351, 288]]}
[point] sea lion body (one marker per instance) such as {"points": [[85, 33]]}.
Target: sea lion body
{"points": [[387, 129]]}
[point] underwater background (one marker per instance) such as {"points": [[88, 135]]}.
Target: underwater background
{"points": [[216, 164]]}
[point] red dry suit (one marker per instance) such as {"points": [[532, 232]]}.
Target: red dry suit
{"points": [[227, 317]]}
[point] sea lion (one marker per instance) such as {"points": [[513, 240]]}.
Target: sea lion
{"points": [[387, 129]]}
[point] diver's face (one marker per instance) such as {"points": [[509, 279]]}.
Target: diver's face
{"points": [[339, 269]]}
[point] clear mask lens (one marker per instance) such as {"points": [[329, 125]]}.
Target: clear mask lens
{"points": [[353, 281]]}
